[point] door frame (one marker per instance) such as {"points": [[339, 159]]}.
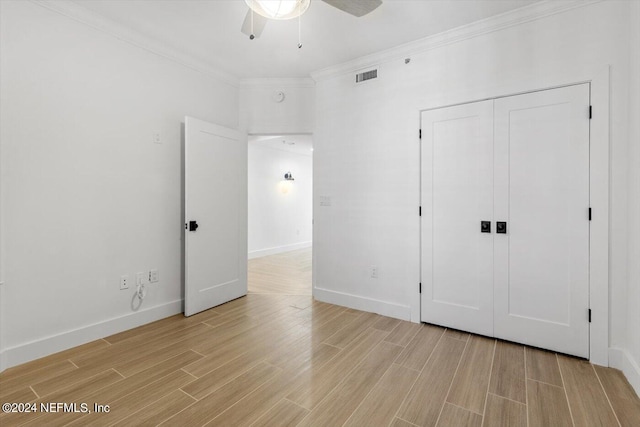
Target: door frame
{"points": [[599, 187], [284, 134]]}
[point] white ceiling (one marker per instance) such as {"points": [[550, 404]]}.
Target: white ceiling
{"points": [[299, 144], [209, 30]]}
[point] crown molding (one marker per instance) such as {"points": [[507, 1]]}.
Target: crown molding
{"points": [[298, 82], [494, 23], [98, 22], [529, 13]]}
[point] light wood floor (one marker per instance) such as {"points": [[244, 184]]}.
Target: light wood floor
{"points": [[286, 273], [280, 360]]}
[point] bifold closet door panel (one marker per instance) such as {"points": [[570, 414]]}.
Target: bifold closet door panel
{"points": [[456, 195], [542, 193]]}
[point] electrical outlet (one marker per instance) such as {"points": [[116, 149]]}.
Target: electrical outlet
{"points": [[325, 201], [124, 282], [374, 272], [154, 276], [156, 138]]}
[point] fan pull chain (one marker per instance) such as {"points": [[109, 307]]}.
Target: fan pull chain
{"points": [[299, 32]]}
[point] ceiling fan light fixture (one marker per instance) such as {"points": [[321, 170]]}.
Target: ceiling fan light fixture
{"points": [[279, 9]]}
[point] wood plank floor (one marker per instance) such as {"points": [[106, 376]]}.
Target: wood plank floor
{"points": [[275, 360], [286, 273], [278, 358]]}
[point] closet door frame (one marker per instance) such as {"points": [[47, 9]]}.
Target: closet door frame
{"points": [[599, 185]]}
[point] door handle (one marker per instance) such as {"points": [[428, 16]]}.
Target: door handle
{"points": [[501, 227], [485, 226], [193, 226]]}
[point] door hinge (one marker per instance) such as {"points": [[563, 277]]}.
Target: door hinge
{"points": [[589, 315], [589, 214], [419, 210], [590, 111], [420, 287], [420, 133]]}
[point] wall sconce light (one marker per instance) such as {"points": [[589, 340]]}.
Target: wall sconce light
{"points": [[286, 183]]}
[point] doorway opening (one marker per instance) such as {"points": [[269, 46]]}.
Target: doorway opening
{"points": [[280, 213]]}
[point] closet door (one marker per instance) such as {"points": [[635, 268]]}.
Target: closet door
{"points": [[542, 194], [456, 195]]}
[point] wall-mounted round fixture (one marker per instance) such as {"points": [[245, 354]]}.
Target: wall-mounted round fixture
{"points": [[278, 96], [288, 177]]}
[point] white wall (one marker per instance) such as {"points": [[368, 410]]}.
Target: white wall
{"points": [[633, 294], [261, 114], [275, 218], [86, 194], [368, 132], [279, 221], [2, 309]]}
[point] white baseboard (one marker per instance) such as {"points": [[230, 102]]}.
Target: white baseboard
{"points": [[3, 360], [278, 249], [402, 312], [65, 340], [620, 358]]}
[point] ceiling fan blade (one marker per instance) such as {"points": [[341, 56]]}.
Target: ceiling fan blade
{"points": [[259, 22], [355, 7]]}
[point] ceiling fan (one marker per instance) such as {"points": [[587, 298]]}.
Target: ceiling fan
{"points": [[260, 11]]}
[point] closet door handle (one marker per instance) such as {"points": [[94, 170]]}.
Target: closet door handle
{"points": [[501, 227], [485, 226]]}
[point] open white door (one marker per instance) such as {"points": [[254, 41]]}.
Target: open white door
{"points": [[216, 215]]}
